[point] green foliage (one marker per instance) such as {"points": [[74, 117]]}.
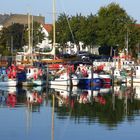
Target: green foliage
{"points": [[12, 36], [108, 28], [16, 36], [62, 32], [4, 51], [38, 35]]}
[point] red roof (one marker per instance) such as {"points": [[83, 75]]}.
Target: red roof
{"points": [[138, 25], [48, 27]]}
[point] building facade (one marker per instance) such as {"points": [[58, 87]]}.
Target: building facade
{"points": [[7, 20]]}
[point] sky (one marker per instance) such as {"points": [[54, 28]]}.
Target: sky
{"points": [[70, 7]]}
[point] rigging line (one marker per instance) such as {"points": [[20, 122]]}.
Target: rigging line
{"points": [[70, 28], [67, 21]]}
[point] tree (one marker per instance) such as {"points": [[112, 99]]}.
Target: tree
{"points": [[12, 36], [62, 32], [110, 27], [4, 51], [16, 36], [38, 34], [133, 39], [113, 25]]}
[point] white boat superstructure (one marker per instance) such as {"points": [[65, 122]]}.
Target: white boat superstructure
{"points": [[135, 76], [65, 80]]}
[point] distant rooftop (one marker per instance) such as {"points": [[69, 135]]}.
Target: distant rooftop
{"points": [[48, 27]]}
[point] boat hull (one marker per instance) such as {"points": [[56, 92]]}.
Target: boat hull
{"points": [[90, 82], [64, 82], [9, 83], [33, 83]]}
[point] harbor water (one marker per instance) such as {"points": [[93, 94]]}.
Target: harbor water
{"points": [[63, 113]]}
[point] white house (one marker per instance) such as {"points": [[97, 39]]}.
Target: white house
{"points": [[46, 43], [1, 27]]}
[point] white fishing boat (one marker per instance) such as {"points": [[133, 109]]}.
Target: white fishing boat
{"points": [[31, 76], [32, 82], [9, 83], [137, 92], [135, 77], [65, 80], [59, 88], [119, 77], [105, 77], [5, 82], [8, 77]]}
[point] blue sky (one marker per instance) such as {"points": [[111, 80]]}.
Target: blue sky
{"points": [[70, 7]]}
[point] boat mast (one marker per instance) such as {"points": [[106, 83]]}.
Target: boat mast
{"points": [[54, 18], [29, 33], [127, 45], [30, 42]]}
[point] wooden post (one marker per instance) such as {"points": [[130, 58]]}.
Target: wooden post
{"points": [[112, 76], [132, 77], [53, 105], [70, 78], [47, 76], [113, 95], [91, 82], [131, 83]]}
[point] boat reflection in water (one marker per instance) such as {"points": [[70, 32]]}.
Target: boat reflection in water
{"points": [[8, 96], [39, 109], [98, 102], [66, 95], [23, 96]]}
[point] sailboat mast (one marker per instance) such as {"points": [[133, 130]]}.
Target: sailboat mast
{"points": [[30, 37], [54, 18], [32, 34], [29, 33]]}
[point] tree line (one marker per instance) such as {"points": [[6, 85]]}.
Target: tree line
{"points": [[111, 27]]}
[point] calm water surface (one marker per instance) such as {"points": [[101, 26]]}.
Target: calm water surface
{"points": [[85, 114]]}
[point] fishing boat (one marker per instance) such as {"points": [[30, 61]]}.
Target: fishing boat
{"points": [[105, 77], [34, 77], [8, 88], [90, 80], [59, 88], [134, 77], [8, 77], [8, 83], [65, 80], [119, 76]]}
